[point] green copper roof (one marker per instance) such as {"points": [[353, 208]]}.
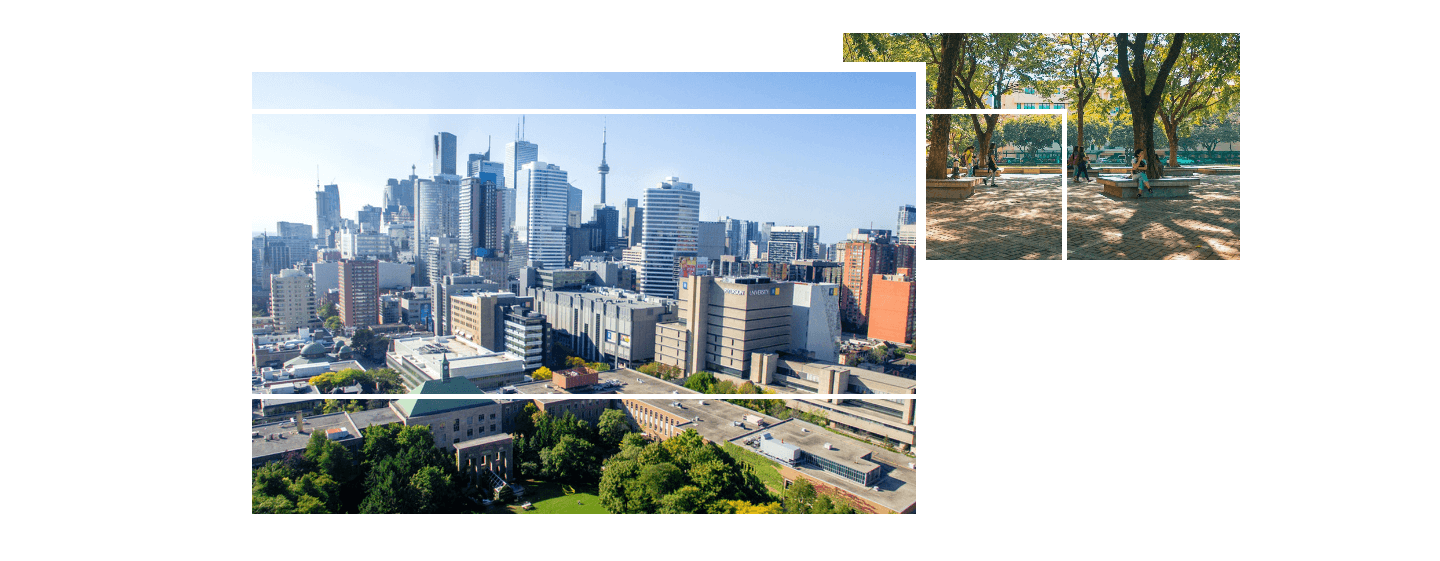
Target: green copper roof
{"points": [[455, 386]]}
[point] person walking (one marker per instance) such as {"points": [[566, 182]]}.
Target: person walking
{"points": [[1142, 181], [990, 163], [1082, 168], [968, 160]]}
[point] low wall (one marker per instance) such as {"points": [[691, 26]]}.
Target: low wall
{"points": [[1122, 187], [950, 189]]}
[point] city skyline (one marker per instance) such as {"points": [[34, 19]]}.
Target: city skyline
{"points": [[786, 169]]}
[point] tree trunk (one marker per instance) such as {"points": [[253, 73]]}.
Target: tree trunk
{"points": [[1172, 134], [983, 136], [1144, 104], [939, 153], [1079, 131]]}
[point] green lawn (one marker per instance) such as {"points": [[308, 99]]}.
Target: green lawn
{"points": [[766, 470], [551, 498]]}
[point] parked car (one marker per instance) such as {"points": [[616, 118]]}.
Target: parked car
{"points": [[1184, 161], [1115, 159]]}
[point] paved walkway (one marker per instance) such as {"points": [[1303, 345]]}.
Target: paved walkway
{"points": [[1205, 225], [1017, 219]]}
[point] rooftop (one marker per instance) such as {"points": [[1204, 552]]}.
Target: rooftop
{"points": [[897, 482], [412, 407], [278, 438]]}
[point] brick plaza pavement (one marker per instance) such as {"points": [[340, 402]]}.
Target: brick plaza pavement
{"points": [[1017, 219], [1205, 225]]}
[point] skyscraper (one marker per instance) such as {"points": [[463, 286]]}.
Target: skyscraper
{"points": [[444, 152], [738, 235], [517, 154], [907, 216], [604, 167], [437, 214], [545, 198], [368, 217], [482, 216], [625, 217], [609, 220], [671, 229], [327, 213], [573, 210]]}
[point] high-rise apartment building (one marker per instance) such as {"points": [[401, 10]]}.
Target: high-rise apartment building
{"points": [[292, 299], [788, 243], [545, 198], [444, 152], [359, 293], [866, 254], [671, 229], [723, 322]]}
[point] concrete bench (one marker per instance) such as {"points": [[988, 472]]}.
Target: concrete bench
{"points": [[1218, 171], [1122, 187], [951, 189]]}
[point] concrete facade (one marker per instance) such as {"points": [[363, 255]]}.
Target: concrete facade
{"points": [[606, 325], [722, 321], [815, 321]]}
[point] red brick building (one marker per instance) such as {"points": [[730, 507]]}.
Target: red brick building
{"points": [[892, 307], [577, 377], [862, 261], [359, 293]]}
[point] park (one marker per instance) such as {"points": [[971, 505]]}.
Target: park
{"points": [[1009, 212], [1152, 121]]}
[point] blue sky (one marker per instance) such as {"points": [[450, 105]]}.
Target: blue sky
{"points": [[584, 90], [835, 171]]}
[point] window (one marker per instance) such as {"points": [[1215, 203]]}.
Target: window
{"points": [[492, 428], [469, 432]]}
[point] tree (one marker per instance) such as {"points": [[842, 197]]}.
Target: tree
{"points": [[1032, 132], [799, 496], [329, 311], [333, 323], [701, 381], [1142, 94], [938, 153], [542, 373], [432, 491], [598, 366], [1087, 59], [571, 460], [1205, 80], [1214, 130], [994, 64], [574, 361], [879, 354], [612, 427], [685, 500]]}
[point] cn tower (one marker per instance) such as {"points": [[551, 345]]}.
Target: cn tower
{"points": [[604, 168]]}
